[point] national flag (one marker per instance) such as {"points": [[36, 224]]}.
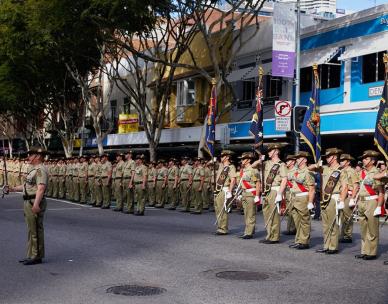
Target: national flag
{"points": [[211, 122], [256, 128], [311, 128], [381, 129]]}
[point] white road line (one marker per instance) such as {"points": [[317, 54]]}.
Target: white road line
{"points": [[67, 202]]}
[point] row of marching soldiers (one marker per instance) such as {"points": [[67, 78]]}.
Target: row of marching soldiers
{"points": [[132, 183], [345, 190]]}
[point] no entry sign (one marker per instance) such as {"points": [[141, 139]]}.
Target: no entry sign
{"points": [[283, 110]]}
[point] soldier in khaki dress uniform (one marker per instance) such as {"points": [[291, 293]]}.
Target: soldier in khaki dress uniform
{"points": [[302, 198], [106, 178], [76, 181], [250, 183], [290, 168], [353, 188], [185, 182], [371, 200], [128, 171], [92, 180], [161, 184], [34, 205], [275, 182], [198, 185], [225, 181], [83, 179], [98, 183], [55, 170], [335, 189], [140, 184], [118, 182], [151, 183], [1, 171], [61, 179], [173, 178]]}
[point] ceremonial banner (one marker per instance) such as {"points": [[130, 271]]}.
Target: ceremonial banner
{"points": [[211, 121], [311, 127], [256, 128], [381, 130], [283, 49]]}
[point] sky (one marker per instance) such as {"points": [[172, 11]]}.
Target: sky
{"points": [[357, 5]]}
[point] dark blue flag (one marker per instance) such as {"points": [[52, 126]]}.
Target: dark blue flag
{"points": [[311, 127], [381, 130], [256, 128], [211, 122]]}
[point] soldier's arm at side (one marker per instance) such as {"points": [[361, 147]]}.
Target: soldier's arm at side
{"points": [[311, 193], [38, 198], [344, 189]]}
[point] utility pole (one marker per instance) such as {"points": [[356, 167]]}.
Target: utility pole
{"points": [[297, 72]]}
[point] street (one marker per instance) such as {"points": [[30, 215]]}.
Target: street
{"points": [[89, 250]]}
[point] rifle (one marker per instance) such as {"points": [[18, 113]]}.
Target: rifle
{"points": [[5, 186], [228, 205]]}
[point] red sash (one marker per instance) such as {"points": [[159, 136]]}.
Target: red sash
{"points": [[246, 184], [300, 186], [368, 188], [289, 184]]}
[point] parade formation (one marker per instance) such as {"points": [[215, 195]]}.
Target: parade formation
{"points": [[254, 182]]}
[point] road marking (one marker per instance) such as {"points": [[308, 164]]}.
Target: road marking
{"points": [[70, 203]]}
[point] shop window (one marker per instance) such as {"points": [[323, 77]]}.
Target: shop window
{"points": [[273, 87], [113, 109], [126, 106], [249, 90], [306, 79], [372, 67]]}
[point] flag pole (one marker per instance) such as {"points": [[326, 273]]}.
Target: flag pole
{"points": [[261, 119]]}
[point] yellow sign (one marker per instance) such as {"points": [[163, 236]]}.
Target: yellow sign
{"points": [[128, 123]]}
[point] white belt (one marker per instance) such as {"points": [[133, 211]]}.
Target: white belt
{"points": [[372, 197], [335, 197], [250, 190], [275, 188], [302, 194]]}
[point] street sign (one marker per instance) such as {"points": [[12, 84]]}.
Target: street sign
{"points": [[283, 110]]}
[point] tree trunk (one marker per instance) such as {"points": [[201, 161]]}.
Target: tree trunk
{"points": [[100, 145], [10, 147], [152, 151]]}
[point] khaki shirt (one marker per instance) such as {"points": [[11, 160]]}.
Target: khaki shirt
{"points": [[231, 174], [198, 173], [369, 181], [83, 170], [302, 178], [172, 173], [162, 173], [140, 173], [282, 173], [352, 177], [290, 176], [92, 170], [327, 171], [55, 171], [185, 172], [37, 175], [119, 169], [128, 168], [249, 175], [151, 174]]}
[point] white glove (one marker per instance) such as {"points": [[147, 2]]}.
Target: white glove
{"points": [[228, 195], [278, 198], [352, 203], [340, 205], [310, 206], [256, 199], [377, 211]]}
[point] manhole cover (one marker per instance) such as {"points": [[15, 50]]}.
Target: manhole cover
{"points": [[135, 290], [243, 275]]}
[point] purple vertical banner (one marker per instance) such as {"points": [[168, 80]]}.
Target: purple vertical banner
{"points": [[284, 32]]}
